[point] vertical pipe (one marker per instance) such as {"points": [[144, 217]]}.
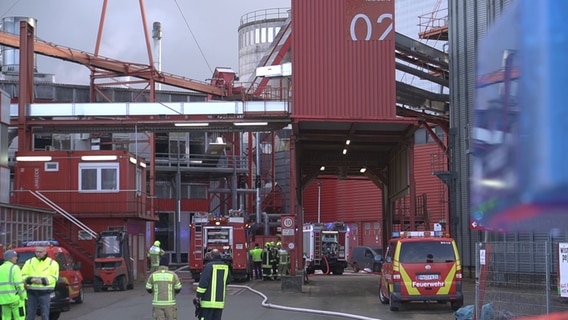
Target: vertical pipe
{"points": [[25, 90], [234, 187], [257, 179], [319, 201], [547, 264], [157, 37], [297, 254], [178, 208]]}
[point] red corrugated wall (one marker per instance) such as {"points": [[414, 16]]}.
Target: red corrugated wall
{"points": [[360, 200], [343, 200], [339, 73], [426, 158]]}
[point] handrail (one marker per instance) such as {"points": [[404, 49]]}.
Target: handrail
{"points": [[64, 213]]}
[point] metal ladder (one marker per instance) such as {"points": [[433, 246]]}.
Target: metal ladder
{"points": [[317, 245], [198, 245]]}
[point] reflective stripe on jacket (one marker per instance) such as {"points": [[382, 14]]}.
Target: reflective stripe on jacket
{"points": [[11, 284], [154, 254], [266, 258], [164, 284], [46, 269], [213, 284]]}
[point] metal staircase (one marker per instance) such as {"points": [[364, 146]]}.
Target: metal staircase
{"points": [[275, 53], [70, 223]]}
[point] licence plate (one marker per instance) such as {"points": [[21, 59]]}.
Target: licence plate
{"points": [[428, 277]]}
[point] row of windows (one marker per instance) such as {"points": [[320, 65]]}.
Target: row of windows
{"points": [[257, 36], [105, 176], [422, 136]]}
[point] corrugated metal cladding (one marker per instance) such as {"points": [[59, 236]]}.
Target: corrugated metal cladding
{"points": [[365, 233], [342, 200], [360, 200], [427, 159], [343, 59]]}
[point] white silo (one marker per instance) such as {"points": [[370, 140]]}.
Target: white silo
{"points": [[257, 32], [11, 57]]}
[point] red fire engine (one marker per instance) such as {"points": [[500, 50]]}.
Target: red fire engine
{"points": [[228, 234], [326, 247]]}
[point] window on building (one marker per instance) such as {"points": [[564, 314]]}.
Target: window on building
{"points": [[98, 177], [422, 136], [138, 182], [271, 34], [263, 35]]}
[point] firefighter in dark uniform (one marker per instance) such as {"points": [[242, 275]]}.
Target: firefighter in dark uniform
{"points": [[164, 285], [274, 261], [212, 287], [266, 262]]}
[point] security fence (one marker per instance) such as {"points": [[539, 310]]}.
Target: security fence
{"points": [[518, 278]]}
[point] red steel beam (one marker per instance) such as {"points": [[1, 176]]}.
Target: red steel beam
{"points": [[121, 68]]}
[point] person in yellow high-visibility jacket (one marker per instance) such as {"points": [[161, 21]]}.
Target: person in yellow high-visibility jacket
{"points": [[164, 285], [40, 273], [256, 255], [155, 254], [13, 293]]}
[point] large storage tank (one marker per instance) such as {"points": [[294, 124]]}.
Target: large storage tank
{"points": [[11, 56], [257, 31]]}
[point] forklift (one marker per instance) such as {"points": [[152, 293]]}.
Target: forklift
{"points": [[113, 264]]}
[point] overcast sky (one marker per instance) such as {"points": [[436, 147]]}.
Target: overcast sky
{"points": [[74, 24], [213, 23]]}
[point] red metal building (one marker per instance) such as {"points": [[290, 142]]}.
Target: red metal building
{"points": [[91, 191]]}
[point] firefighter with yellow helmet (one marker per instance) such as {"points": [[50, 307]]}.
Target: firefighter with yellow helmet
{"points": [[155, 253], [274, 260], [283, 260], [267, 258]]}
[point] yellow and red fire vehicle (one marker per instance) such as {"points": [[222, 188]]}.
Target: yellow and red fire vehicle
{"points": [[421, 266]]}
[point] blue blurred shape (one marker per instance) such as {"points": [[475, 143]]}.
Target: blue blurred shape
{"points": [[519, 173]]}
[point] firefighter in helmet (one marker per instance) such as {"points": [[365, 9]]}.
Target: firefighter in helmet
{"points": [[266, 262], [283, 261], [155, 253], [164, 285], [274, 261]]}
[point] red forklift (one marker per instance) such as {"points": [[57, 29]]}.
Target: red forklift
{"points": [[113, 264]]}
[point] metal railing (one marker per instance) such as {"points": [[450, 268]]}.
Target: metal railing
{"points": [[201, 160], [265, 14]]}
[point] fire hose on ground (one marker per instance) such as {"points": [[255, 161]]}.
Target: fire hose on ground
{"points": [[265, 304], [268, 305]]}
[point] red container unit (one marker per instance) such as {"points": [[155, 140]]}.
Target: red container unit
{"points": [[95, 183], [96, 189], [343, 59]]}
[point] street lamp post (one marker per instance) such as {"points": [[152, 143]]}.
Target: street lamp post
{"points": [[319, 201]]}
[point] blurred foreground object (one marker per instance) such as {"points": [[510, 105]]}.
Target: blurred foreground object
{"points": [[519, 176]]}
